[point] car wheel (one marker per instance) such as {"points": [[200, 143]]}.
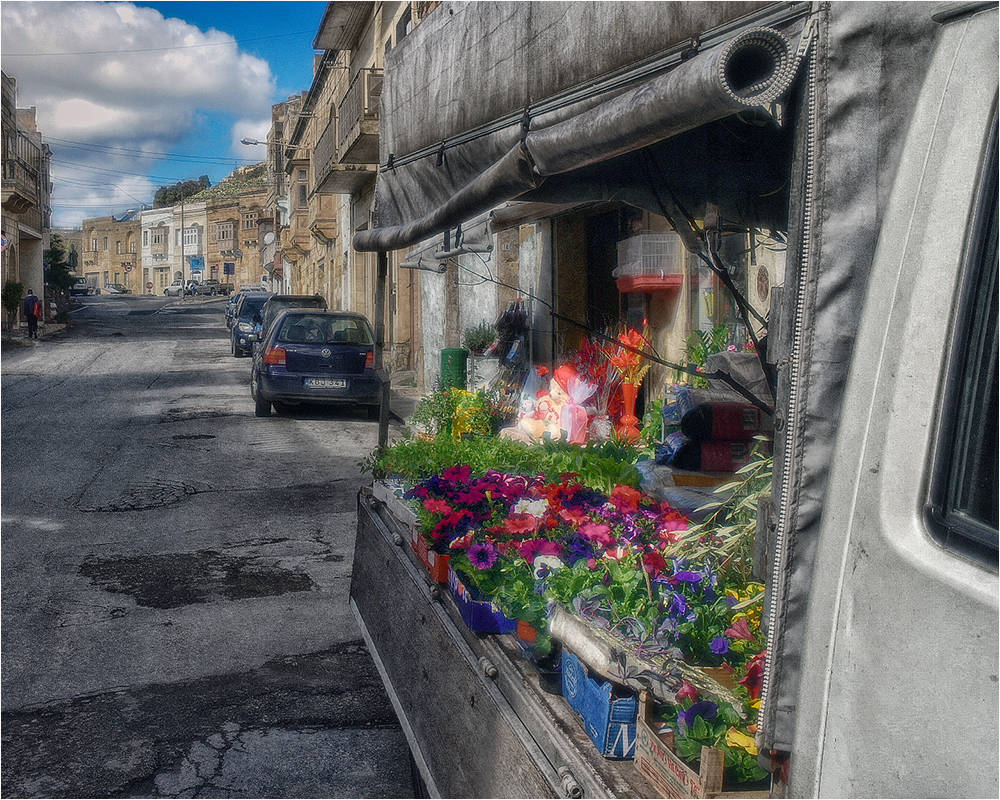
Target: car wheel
{"points": [[261, 407]]}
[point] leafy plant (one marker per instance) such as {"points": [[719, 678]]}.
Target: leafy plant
{"points": [[727, 534], [478, 338], [10, 299], [456, 412], [702, 344]]}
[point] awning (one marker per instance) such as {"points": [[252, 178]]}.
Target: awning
{"points": [[570, 157]]}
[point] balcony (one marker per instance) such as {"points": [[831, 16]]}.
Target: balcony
{"points": [[20, 186], [358, 119], [322, 218]]}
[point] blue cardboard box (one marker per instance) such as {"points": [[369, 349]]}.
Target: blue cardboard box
{"points": [[609, 712], [477, 611]]}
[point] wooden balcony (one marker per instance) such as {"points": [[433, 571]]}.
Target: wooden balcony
{"points": [[346, 155]]}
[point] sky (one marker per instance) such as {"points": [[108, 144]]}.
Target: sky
{"points": [[134, 96]]}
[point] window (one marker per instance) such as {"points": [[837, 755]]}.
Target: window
{"points": [[118, 247], [249, 220], [145, 239], [93, 244], [190, 237], [302, 175], [131, 247], [223, 231], [964, 495], [105, 244]]}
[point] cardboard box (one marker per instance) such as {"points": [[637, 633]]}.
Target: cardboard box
{"points": [[477, 611], [436, 564], [609, 712], [670, 776]]}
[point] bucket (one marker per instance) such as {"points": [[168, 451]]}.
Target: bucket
{"points": [[454, 362]]}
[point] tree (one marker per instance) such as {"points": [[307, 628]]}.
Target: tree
{"points": [[10, 298], [57, 266], [171, 195]]}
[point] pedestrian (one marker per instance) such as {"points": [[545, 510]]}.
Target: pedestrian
{"points": [[32, 313]]}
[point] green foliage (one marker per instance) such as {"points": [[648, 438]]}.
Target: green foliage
{"points": [[241, 181], [702, 344], [171, 195], [57, 275], [600, 465], [454, 411], [652, 423], [477, 339], [727, 534], [420, 458], [10, 298]]}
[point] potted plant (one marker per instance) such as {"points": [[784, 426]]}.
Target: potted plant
{"points": [[483, 364]]}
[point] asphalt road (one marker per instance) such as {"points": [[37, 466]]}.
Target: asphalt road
{"points": [[175, 574]]}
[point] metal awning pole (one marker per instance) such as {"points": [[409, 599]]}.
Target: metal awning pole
{"points": [[381, 279]]}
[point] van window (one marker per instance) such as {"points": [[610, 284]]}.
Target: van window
{"points": [[964, 502]]}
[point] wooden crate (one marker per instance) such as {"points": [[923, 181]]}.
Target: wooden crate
{"points": [[663, 768]]}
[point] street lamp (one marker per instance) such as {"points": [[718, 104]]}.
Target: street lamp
{"points": [[251, 141]]}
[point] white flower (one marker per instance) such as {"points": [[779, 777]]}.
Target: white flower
{"points": [[535, 508]]}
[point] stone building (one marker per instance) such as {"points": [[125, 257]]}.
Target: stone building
{"points": [[27, 192], [111, 252]]}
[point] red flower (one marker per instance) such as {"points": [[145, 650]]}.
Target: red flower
{"points": [[460, 474], [626, 499], [653, 563], [436, 506], [521, 523], [755, 675]]}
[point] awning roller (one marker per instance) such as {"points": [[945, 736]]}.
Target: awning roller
{"points": [[753, 69]]}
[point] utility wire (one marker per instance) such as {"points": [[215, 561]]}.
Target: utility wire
{"points": [[183, 157]]}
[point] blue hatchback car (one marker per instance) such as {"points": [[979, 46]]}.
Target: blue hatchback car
{"points": [[314, 356]]}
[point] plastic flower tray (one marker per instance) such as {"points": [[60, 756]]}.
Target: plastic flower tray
{"points": [[670, 775], [609, 712], [477, 611]]}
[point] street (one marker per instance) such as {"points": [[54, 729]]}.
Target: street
{"points": [[176, 573]]}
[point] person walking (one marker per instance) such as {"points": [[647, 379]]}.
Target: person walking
{"points": [[32, 313]]}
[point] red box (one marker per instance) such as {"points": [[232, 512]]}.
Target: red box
{"points": [[436, 564]]}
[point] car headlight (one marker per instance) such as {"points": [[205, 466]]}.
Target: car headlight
{"points": [[245, 327]]}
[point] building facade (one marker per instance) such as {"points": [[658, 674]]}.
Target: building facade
{"points": [[111, 252], [27, 192]]}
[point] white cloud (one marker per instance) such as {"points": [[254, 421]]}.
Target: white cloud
{"points": [[135, 82]]}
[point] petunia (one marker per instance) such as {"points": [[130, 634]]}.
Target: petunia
{"points": [[536, 508], [530, 549], [601, 534], [462, 542], [459, 474], [740, 629], [687, 692], [689, 577], [720, 645], [483, 555], [521, 523], [436, 506], [653, 563]]}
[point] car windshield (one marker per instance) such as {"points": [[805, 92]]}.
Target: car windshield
{"points": [[252, 305], [326, 329]]}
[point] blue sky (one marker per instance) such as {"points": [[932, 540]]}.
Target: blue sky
{"points": [[133, 96]]}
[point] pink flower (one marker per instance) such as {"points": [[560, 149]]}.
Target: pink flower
{"points": [[688, 692], [598, 533], [462, 542], [459, 474], [436, 506], [531, 548], [521, 523], [740, 630]]}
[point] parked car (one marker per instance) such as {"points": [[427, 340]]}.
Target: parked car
{"points": [[116, 288], [230, 310], [246, 319], [212, 287], [176, 289], [81, 289], [316, 356], [280, 302]]}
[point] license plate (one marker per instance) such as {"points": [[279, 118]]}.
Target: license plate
{"points": [[326, 383]]}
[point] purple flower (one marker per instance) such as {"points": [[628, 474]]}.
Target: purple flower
{"points": [[689, 577], [703, 708], [720, 645], [483, 555]]}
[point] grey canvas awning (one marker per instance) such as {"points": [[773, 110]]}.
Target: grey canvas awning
{"points": [[574, 154]]}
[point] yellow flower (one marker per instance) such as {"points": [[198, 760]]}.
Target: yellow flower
{"points": [[744, 741]]}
